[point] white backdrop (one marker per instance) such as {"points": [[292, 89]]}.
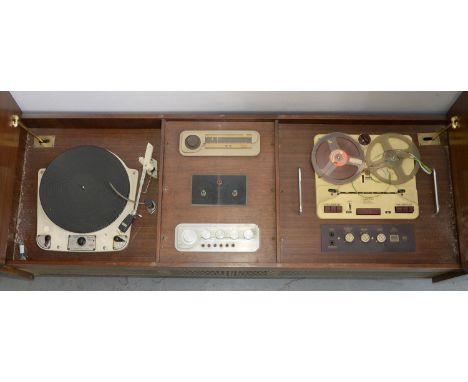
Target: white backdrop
{"points": [[276, 102]]}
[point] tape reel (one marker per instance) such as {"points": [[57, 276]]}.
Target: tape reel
{"points": [[391, 158], [337, 158]]}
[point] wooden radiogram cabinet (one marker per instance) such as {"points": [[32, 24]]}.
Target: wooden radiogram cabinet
{"points": [[290, 242]]}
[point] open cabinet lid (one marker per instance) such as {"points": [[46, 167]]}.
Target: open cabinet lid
{"points": [[458, 139], [9, 143]]}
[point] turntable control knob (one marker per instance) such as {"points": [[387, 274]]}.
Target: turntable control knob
{"points": [[381, 238], [206, 234], [248, 234], [219, 234], [81, 241], [192, 142], [365, 237], [189, 236], [349, 237], [234, 234]]}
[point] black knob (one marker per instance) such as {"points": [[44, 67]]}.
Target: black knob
{"points": [[81, 241], [192, 142], [364, 139]]}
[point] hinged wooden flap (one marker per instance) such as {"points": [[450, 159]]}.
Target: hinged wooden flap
{"points": [[9, 142], [458, 138]]}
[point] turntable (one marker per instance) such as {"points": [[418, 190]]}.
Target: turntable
{"points": [[366, 176], [83, 196]]}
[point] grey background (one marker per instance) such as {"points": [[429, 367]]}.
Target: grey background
{"points": [[244, 102], [200, 284], [276, 102]]}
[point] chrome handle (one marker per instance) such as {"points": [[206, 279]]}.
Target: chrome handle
{"points": [[299, 181], [436, 192]]}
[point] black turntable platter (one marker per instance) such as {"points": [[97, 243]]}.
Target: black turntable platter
{"points": [[75, 190]]}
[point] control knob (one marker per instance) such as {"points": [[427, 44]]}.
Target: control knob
{"points": [[248, 234], [81, 241], [192, 142], [381, 237], [349, 237], [365, 237], [219, 234], [206, 234], [189, 236], [234, 234]]}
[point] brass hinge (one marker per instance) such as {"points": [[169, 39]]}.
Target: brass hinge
{"points": [[42, 141], [454, 124]]}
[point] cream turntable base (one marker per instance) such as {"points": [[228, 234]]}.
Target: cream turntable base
{"points": [[366, 176], [77, 208]]}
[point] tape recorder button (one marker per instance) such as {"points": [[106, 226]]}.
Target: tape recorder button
{"points": [[349, 237], [365, 237]]}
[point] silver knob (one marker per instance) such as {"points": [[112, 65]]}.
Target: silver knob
{"points": [[248, 234], [189, 236]]}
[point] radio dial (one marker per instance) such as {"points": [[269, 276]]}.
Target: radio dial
{"points": [[193, 142]]}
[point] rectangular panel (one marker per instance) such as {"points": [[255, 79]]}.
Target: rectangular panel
{"points": [[300, 233], [220, 238], [219, 143], [181, 172], [128, 144], [365, 197], [368, 238], [219, 189]]}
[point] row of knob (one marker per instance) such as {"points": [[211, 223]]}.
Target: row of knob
{"points": [[365, 237], [190, 236]]}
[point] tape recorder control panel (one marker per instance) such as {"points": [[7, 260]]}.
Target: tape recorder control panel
{"points": [[368, 238]]}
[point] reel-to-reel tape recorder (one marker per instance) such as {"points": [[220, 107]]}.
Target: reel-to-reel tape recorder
{"points": [[366, 176]]}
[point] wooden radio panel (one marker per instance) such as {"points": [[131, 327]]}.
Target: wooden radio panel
{"points": [[177, 205]]}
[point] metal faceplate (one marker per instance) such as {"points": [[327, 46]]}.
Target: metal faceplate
{"points": [[368, 238], [219, 189], [219, 143], [217, 238], [365, 193]]}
